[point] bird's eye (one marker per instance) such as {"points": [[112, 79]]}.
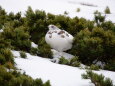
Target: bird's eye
{"points": [[52, 26]]}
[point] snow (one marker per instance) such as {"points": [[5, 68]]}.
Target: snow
{"points": [[57, 54], [34, 45], [59, 75], [59, 6]]}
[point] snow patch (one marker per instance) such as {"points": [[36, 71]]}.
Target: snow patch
{"points": [[57, 55], [59, 75]]}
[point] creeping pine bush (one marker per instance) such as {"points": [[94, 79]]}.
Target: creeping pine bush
{"points": [[99, 18], [23, 54], [38, 82], [94, 67], [4, 43], [9, 65], [71, 62], [98, 80], [107, 10], [6, 56], [110, 65], [20, 37], [66, 13], [62, 60], [108, 25], [44, 49], [96, 12], [34, 51], [78, 10], [14, 78], [74, 62], [96, 44]]}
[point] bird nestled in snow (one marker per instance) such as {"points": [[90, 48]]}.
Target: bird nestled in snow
{"points": [[58, 39]]}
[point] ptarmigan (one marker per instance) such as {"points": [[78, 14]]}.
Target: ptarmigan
{"points": [[58, 39]]}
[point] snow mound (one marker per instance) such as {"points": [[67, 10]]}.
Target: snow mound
{"points": [[57, 54]]}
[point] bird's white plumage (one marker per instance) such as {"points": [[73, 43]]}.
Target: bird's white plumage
{"points": [[58, 39]]}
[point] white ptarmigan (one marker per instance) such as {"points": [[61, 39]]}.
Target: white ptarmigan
{"points": [[58, 39]]}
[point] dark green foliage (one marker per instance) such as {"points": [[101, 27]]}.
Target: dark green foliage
{"points": [[98, 80], [34, 51], [23, 54], [47, 83], [78, 10], [2, 16], [74, 62], [9, 65], [2, 59], [15, 78], [4, 43], [97, 44], [107, 10], [108, 25], [71, 62], [20, 37], [66, 13], [44, 49], [108, 82], [62, 60], [110, 65], [36, 22], [100, 22], [76, 25], [86, 46], [94, 67], [17, 37], [85, 76], [99, 18], [38, 82], [6, 56]]}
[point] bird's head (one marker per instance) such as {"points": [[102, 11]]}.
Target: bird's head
{"points": [[53, 27]]}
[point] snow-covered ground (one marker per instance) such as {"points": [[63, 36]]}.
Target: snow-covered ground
{"points": [[59, 75], [59, 6]]}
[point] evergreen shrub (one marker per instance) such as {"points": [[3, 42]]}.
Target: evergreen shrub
{"points": [[107, 10], [23, 54], [98, 80]]}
